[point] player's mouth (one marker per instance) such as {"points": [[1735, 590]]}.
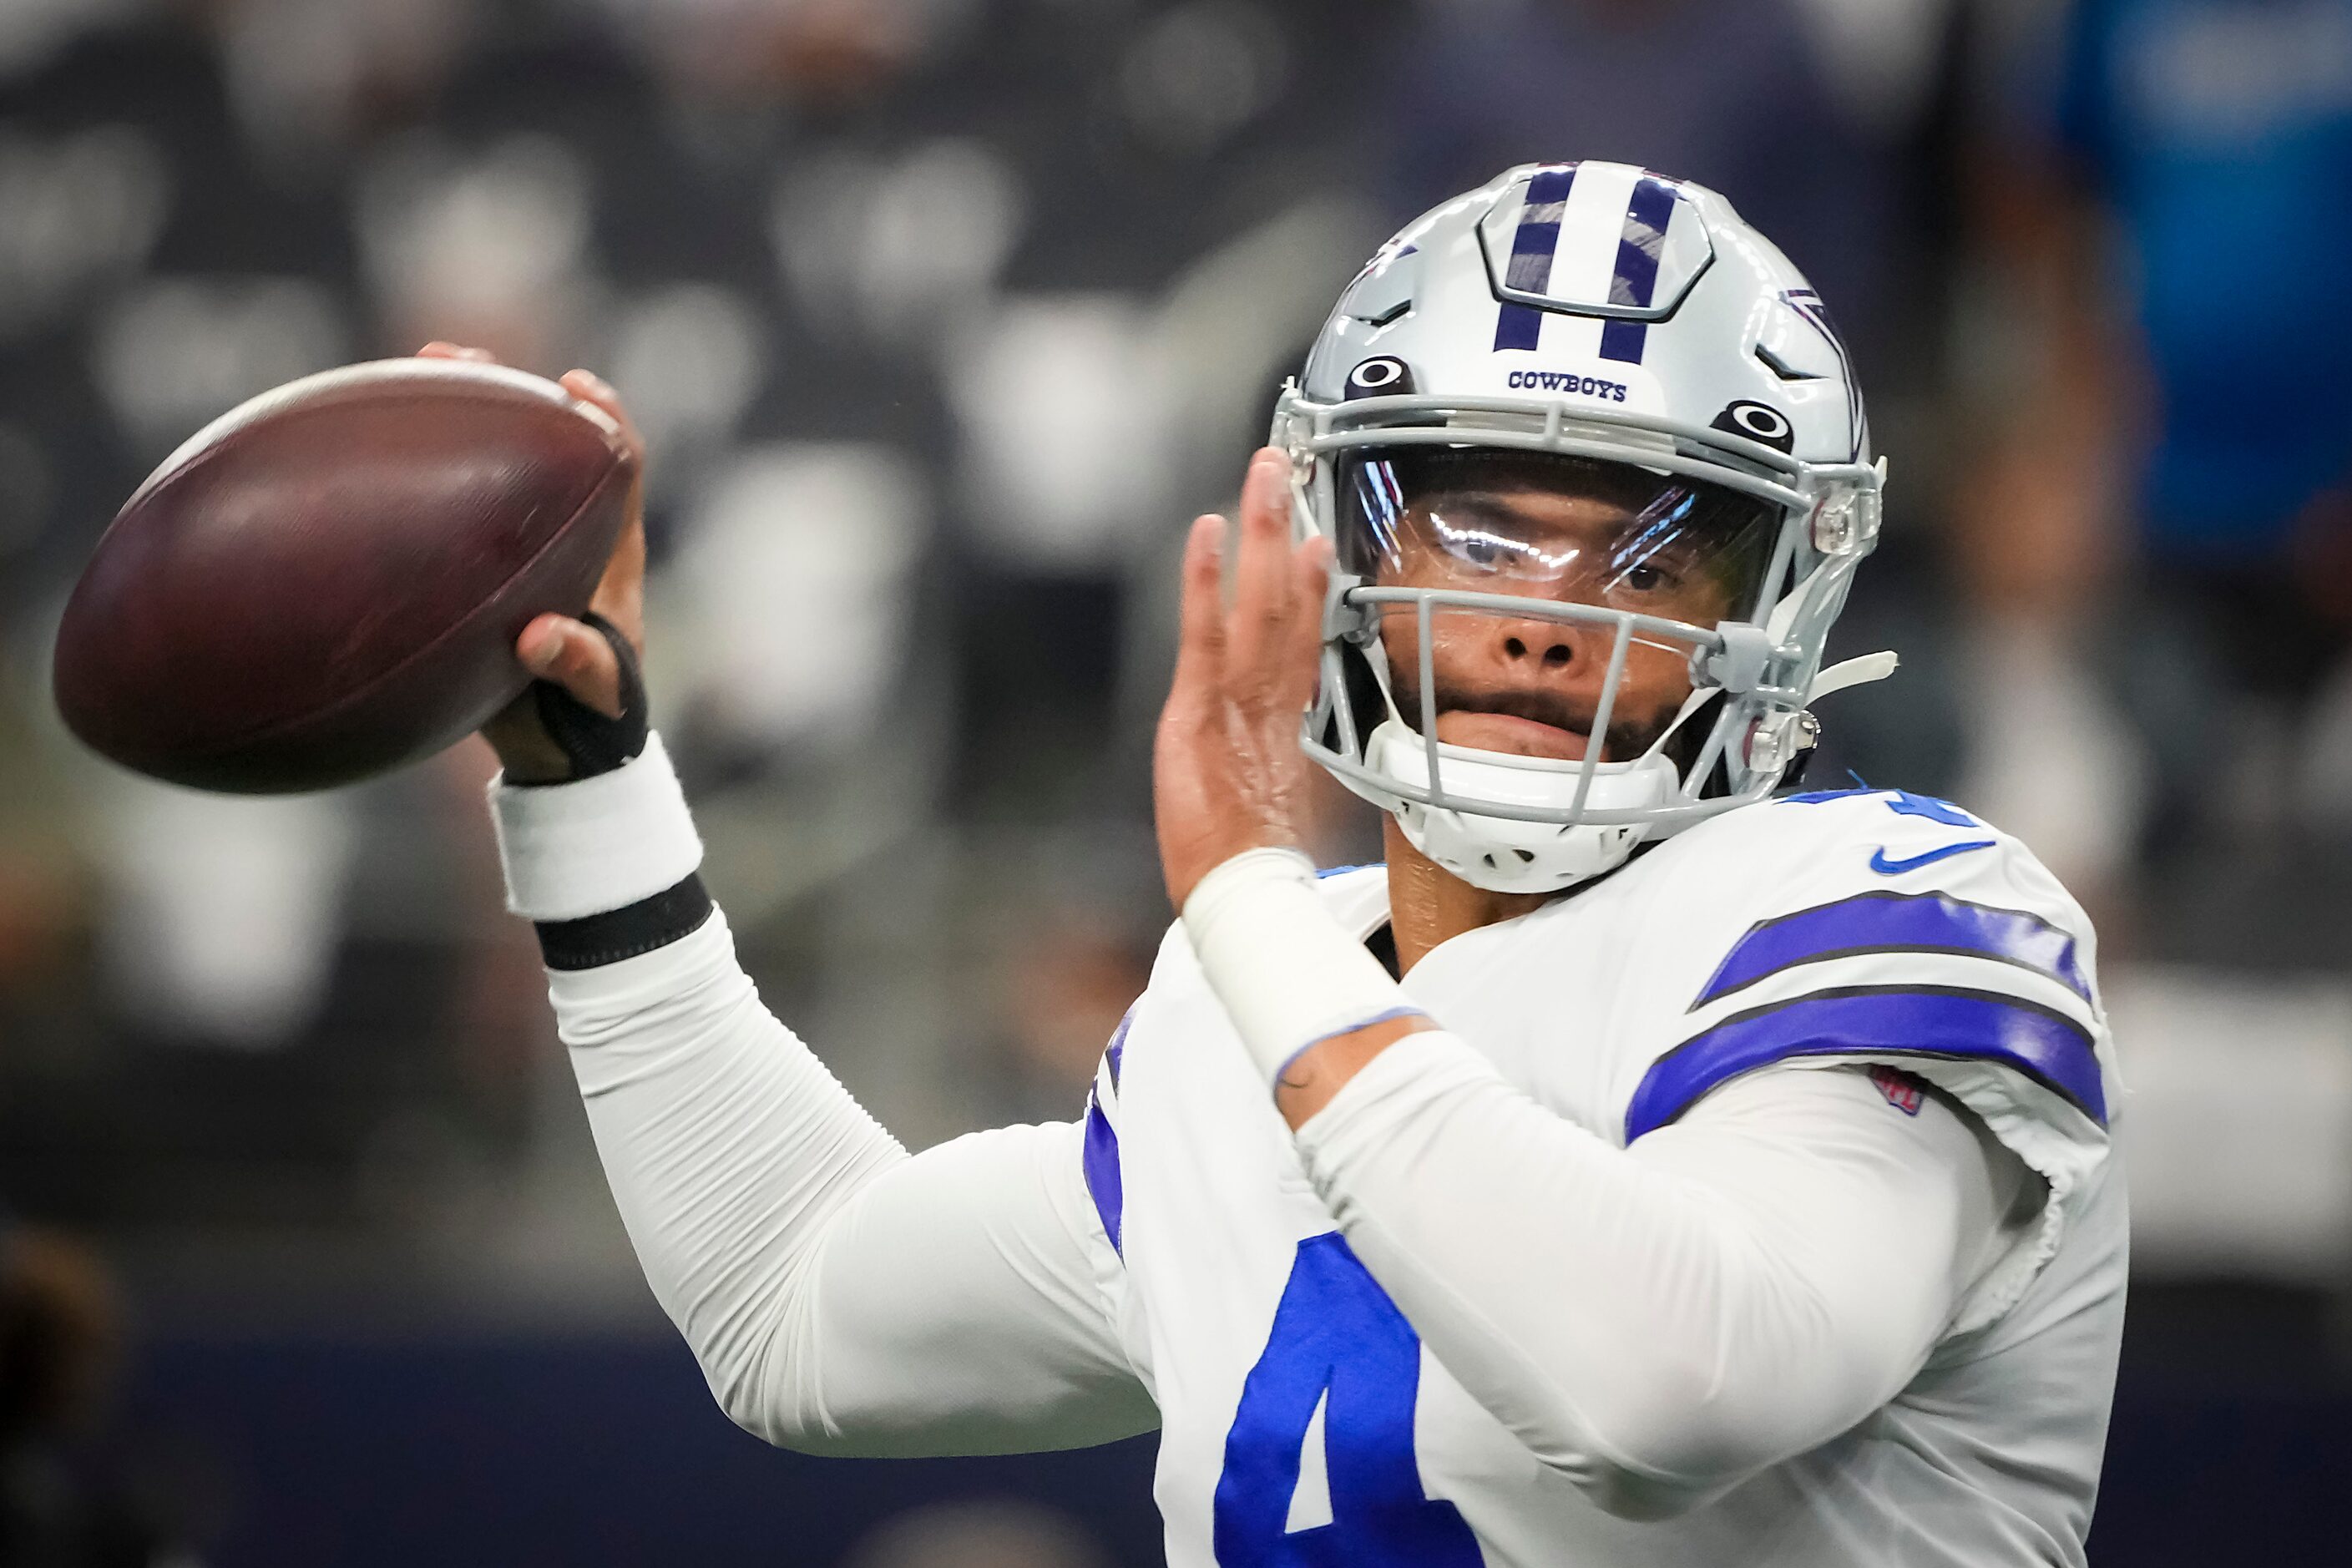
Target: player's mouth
{"points": [[1517, 724]]}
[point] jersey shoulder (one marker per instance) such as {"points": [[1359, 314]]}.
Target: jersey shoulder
{"points": [[1778, 856], [1884, 928], [1874, 926]]}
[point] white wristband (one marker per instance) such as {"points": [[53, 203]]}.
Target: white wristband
{"points": [[577, 849], [1287, 972]]}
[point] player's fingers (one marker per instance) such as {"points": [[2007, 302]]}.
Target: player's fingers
{"points": [[1201, 628], [1264, 602], [620, 595], [590, 387], [575, 657], [437, 349], [1310, 568]]}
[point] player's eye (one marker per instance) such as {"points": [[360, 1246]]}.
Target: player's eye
{"points": [[1483, 551], [1471, 536]]}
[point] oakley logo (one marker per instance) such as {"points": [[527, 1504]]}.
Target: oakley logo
{"points": [[1758, 422], [1567, 381], [1381, 376]]}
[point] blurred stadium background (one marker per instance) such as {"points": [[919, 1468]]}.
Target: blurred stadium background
{"points": [[941, 316]]}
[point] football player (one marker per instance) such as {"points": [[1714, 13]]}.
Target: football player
{"points": [[1648, 1165]]}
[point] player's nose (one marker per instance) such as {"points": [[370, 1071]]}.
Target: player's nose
{"points": [[1534, 645]]}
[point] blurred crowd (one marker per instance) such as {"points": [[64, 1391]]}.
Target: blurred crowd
{"points": [[941, 316]]}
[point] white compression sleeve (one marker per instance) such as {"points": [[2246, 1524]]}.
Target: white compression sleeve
{"points": [[1662, 1322], [842, 1296]]}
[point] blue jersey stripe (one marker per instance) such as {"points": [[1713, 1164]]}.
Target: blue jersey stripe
{"points": [[1117, 1047], [1532, 248], [1647, 214], [1099, 1158], [1100, 1161], [1914, 1021], [1890, 922]]}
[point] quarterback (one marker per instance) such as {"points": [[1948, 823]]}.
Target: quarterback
{"points": [[1650, 1164]]}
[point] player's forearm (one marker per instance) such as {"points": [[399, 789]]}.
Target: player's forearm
{"points": [[728, 1147], [729, 1150], [1658, 1323], [1655, 1326], [840, 1296]]}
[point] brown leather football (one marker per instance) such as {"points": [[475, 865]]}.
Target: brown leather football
{"points": [[328, 580]]}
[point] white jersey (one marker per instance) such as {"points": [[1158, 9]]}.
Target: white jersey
{"points": [[1591, 1242], [1302, 1420]]}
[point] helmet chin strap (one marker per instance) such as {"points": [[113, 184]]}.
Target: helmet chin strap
{"points": [[1861, 672], [1691, 704]]}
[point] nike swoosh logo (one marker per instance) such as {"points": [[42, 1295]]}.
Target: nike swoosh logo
{"points": [[1885, 867]]}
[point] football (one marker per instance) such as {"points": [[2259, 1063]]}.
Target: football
{"points": [[326, 582]]}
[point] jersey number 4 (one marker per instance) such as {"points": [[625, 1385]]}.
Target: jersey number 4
{"points": [[1339, 1346]]}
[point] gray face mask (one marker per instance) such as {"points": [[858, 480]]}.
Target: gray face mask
{"points": [[1552, 531]]}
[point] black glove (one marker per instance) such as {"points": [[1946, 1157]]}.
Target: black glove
{"points": [[594, 743]]}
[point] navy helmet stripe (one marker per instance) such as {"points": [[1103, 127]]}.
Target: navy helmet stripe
{"points": [[1897, 922], [1919, 1022], [1647, 214], [1624, 341], [1809, 304], [1532, 248]]}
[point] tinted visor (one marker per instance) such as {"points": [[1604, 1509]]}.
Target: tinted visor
{"points": [[1540, 525]]}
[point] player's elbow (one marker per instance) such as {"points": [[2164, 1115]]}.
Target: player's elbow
{"points": [[755, 1380], [797, 1424], [1643, 1491], [1664, 1443], [750, 1401], [785, 1400], [1638, 1497]]}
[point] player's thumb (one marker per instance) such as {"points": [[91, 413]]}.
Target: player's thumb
{"points": [[575, 657]]}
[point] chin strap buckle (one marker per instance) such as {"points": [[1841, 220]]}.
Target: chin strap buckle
{"points": [[1779, 741]]}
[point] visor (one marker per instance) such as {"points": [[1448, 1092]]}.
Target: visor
{"points": [[1543, 526]]}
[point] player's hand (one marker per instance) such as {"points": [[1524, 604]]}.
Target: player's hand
{"points": [[1227, 773], [559, 648]]}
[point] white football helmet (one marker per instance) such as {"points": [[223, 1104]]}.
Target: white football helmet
{"points": [[1629, 331]]}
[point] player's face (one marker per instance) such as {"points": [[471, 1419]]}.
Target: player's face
{"points": [[1526, 686]]}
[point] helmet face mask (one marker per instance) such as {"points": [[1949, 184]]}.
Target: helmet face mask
{"points": [[1534, 548], [1552, 530]]}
